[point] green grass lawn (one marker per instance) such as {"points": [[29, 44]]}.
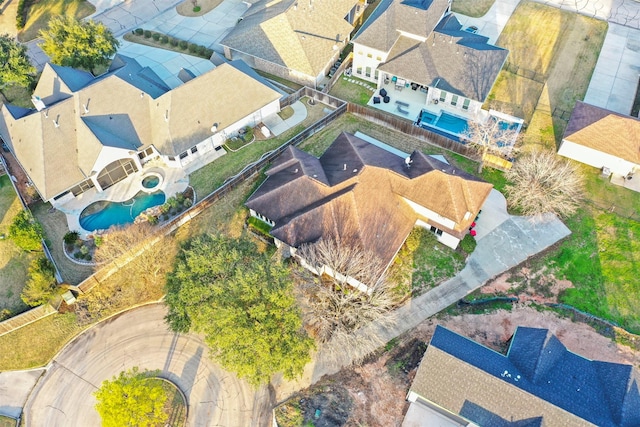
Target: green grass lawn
{"points": [[352, 92], [34, 345], [205, 180], [7, 422], [14, 262], [43, 10], [474, 8]]}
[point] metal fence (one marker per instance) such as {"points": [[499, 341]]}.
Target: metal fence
{"points": [[338, 74], [525, 72], [407, 127]]}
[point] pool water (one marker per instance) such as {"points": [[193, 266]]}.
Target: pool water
{"points": [[453, 124], [151, 181], [427, 117], [118, 213]]}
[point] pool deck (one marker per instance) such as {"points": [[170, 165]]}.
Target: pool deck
{"points": [[174, 181]]}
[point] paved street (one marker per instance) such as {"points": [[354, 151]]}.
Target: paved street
{"points": [[63, 397]]}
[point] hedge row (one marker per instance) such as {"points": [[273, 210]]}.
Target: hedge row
{"points": [[193, 48], [21, 14]]}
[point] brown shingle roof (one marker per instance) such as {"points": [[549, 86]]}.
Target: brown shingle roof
{"points": [[605, 131], [121, 115], [299, 35], [363, 186]]}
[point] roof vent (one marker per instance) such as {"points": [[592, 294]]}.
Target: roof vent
{"points": [[86, 108], [355, 170], [166, 115], [295, 171], [344, 168], [55, 122]]}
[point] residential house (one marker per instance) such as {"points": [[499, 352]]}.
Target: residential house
{"points": [[420, 45], [89, 133], [537, 383], [366, 195], [603, 139], [298, 40]]}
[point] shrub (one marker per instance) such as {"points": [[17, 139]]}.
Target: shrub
{"points": [[26, 232], [192, 47], [41, 285], [164, 39], [155, 36], [147, 34], [196, 9], [139, 31], [21, 14], [98, 240], [184, 44], [174, 42], [468, 244], [248, 134], [71, 237], [208, 53]]}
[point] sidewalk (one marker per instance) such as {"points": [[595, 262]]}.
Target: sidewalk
{"points": [[510, 243], [277, 126]]}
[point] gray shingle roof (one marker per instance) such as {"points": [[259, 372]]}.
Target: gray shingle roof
{"points": [[453, 60], [125, 108], [298, 35], [558, 385]]}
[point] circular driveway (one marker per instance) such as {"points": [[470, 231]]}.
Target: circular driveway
{"points": [[64, 395]]}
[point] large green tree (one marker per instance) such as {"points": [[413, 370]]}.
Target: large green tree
{"points": [[77, 44], [243, 302], [15, 67], [132, 398], [41, 285]]}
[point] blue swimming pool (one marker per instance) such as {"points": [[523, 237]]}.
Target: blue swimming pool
{"points": [[102, 215], [427, 117], [453, 124]]}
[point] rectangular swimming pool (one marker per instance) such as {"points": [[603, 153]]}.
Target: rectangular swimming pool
{"points": [[451, 123]]}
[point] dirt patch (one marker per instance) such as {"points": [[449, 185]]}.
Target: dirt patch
{"points": [[540, 286]]}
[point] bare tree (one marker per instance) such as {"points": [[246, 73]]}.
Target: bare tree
{"points": [[141, 248], [542, 182], [335, 310], [490, 136]]}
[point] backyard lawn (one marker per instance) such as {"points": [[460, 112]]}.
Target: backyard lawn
{"points": [[14, 262], [40, 12], [352, 92], [552, 54], [213, 175], [474, 8]]}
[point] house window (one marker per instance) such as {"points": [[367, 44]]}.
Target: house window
{"points": [[171, 158], [194, 150], [436, 231], [378, 58], [454, 100], [375, 74], [465, 104], [359, 70], [61, 195], [367, 72], [443, 96], [369, 55], [115, 172], [183, 155], [82, 187], [360, 52]]}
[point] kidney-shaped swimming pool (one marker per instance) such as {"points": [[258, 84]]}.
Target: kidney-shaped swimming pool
{"points": [[102, 215]]}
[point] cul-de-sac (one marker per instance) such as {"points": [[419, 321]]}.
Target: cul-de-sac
{"points": [[320, 213]]}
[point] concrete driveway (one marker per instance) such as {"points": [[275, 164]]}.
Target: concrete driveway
{"points": [[64, 395]]}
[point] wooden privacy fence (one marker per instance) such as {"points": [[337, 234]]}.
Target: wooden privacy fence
{"points": [[26, 318], [407, 127]]}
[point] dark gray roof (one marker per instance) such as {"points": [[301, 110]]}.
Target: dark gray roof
{"points": [[143, 78], [418, 17], [73, 78], [605, 394], [450, 59], [115, 130], [245, 68]]}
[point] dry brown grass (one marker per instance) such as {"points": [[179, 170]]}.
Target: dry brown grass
{"points": [[556, 51], [41, 12]]}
